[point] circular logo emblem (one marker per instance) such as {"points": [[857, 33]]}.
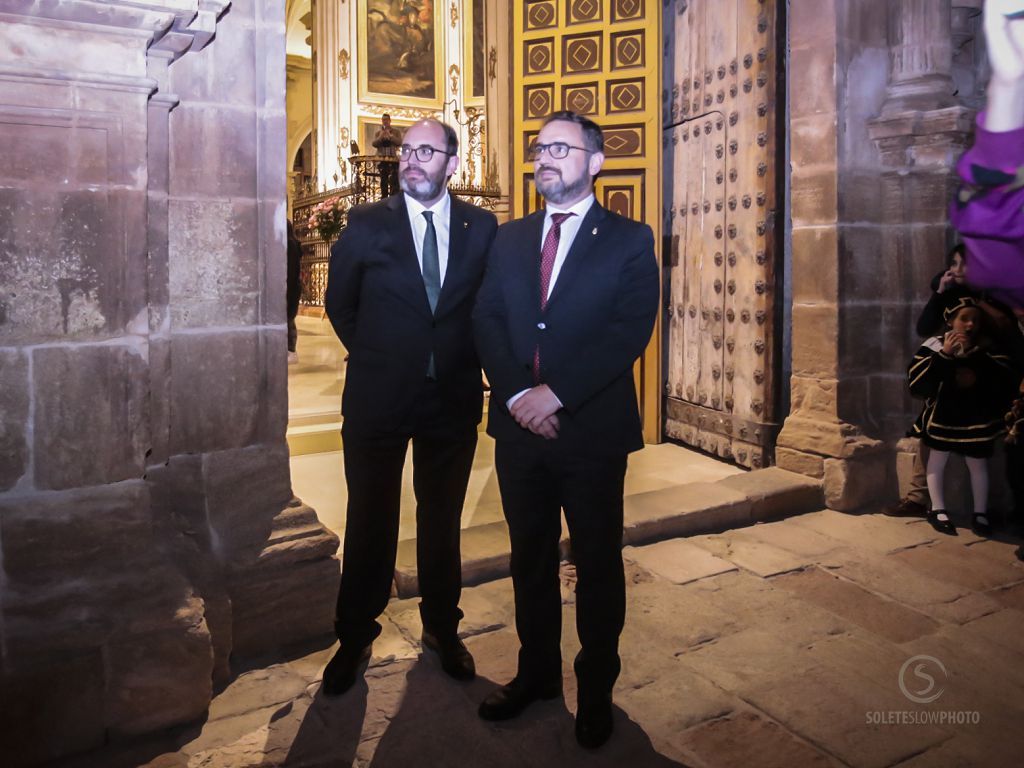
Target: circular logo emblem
{"points": [[922, 679]]}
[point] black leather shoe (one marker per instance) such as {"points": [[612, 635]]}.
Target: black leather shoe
{"points": [[940, 521], [980, 525], [510, 700], [341, 671], [456, 659], [594, 721]]}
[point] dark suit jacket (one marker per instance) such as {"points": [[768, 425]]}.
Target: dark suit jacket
{"points": [[596, 324], [378, 306]]}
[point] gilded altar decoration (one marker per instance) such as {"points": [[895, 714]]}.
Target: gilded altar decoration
{"points": [[454, 14], [453, 73], [343, 59], [402, 62], [492, 64]]}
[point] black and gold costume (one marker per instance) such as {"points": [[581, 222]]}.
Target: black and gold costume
{"points": [[966, 398]]}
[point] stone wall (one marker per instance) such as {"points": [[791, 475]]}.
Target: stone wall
{"points": [[147, 525], [876, 128]]}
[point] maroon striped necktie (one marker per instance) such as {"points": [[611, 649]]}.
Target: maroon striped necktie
{"points": [[547, 265]]}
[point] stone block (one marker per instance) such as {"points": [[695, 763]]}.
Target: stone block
{"points": [[52, 710], [813, 87], [266, 614], [215, 77], [816, 331], [246, 489], [854, 483], [815, 264], [859, 343], [683, 511], [774, 492], [954, 563], [759, 558], [275, 257], [874, 533], [53, 539], [886, 618], [820, 28], [218, 388], [815, 196], [807, 464], [273, 423], [205, 137], [14, 400], [90, 417], [160, 678], [678, 561], [214, 266], [813, 139], [160, 378], [750, 739]]}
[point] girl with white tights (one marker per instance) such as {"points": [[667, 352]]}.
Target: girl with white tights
{"points": [[967, 389]]}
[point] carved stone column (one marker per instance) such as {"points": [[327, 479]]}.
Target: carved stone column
{"points": [[920, 56], [147, 524]]}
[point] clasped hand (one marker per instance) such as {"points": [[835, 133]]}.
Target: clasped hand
{"points": [[535, 411]]}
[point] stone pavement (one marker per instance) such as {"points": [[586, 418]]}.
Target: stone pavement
{"points": [[777, 644]]}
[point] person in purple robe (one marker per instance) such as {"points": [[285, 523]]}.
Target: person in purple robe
{"points": [[988, 209]]}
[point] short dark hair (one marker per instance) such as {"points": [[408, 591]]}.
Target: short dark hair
{"points": [[593, 136], [451, 138], [385, 115], [959, 248]]}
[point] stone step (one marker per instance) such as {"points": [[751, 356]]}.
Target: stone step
{"points": [[679, 511]]}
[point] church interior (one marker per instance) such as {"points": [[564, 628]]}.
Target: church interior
{"points": [[171, 495]]}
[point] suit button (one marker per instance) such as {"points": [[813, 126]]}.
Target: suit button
{"points": [[541, 326]]}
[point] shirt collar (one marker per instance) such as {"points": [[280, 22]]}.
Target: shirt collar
{"points": [[580, 208], [440, 208]]}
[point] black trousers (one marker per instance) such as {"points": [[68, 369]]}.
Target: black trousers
{"points": [[537, 483], [442, 457]]}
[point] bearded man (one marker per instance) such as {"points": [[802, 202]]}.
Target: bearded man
{"points": [[401, 287]]}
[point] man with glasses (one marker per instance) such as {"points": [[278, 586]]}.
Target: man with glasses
{"points": [[566, 307], [402, 282]]}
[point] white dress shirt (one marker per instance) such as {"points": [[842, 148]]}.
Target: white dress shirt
{"points": [[442, 225]]}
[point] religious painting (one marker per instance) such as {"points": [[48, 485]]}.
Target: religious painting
{"points": [[401, 52], [475, 52]]}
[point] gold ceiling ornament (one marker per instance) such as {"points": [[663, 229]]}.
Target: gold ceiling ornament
{"points": [[453, 73], [343, 59], [454, 14], [401, 113]]}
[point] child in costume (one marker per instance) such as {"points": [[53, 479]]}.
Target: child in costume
{"points": [[967, 389]]}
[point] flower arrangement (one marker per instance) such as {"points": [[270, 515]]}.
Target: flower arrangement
{"points": [[328, 217]]}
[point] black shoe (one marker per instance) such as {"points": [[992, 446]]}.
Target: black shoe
{"points": [[906, 508], [341, 671], [594, 721], [940, 521], [980, 524], [509, 700], [456, 659]]}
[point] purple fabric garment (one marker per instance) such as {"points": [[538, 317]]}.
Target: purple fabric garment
{"points": [[988, 211]]}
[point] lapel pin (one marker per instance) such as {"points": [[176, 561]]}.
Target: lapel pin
{"points": [[594, 231], [465, 225]]}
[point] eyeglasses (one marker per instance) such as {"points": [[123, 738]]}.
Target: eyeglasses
{"points": [[423, 153], [557, 150]]}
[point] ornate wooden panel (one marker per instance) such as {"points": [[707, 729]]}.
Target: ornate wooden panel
{"points": [[722, 379], [600, 58]]}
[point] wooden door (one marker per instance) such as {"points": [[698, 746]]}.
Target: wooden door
{"points": [[723, 333], [600, 58]]}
